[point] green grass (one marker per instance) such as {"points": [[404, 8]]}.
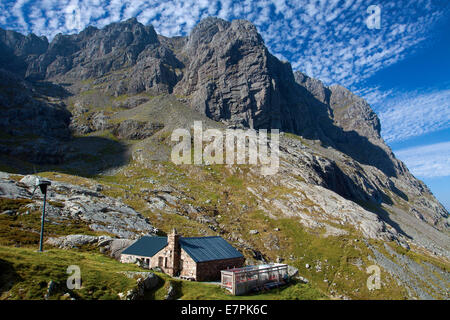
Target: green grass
{"points": [[336, 255], [26, 272], [294, 291], [192, 290]]}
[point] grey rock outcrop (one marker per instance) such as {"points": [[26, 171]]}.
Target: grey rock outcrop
{"points": [[171, 292], [356, 133], [101, 213], [72, 241], [145, 281], [116, 246], [93, 52], [135, 130], [52, 287]]}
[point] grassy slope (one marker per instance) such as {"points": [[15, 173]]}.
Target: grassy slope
{"points": [[227, 192], [26, 272], [191, 290]]}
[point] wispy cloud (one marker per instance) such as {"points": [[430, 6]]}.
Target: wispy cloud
{"points": [[374, 95], [427, 161], [413, 114], [327, 39]]}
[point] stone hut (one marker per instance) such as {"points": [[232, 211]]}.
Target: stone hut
{"points": [[195, 258]]}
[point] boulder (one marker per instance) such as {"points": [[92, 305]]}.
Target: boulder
{"points": [[52, 287], [72, 241], [171, 292], [145, 281], [302, 279], [117, 246], [29, 180], [151, 281]]}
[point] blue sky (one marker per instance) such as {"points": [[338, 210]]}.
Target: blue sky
{"points": [[401, 68]]}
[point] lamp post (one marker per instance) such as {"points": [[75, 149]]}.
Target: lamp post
{"points": [[42, 184]]}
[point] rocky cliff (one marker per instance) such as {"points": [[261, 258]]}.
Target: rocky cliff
{"points": [[104, 102]]}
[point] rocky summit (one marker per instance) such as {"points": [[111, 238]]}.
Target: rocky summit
{"points": [[94, 112]]}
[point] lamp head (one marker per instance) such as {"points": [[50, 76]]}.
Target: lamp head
{"points": [[42, 184]]}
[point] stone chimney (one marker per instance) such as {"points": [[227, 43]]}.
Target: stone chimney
{"points": [[174, 246]]}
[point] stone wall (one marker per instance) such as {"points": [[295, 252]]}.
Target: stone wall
{"points": [[188, 266], [175, 261], [210, 270], [130, 258], [163, 260]]}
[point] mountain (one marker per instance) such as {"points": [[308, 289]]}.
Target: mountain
{"points": [[102, 104]]}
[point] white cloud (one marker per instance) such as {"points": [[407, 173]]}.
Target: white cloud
{"points": [[413, 114], [73, 16], [328, 39], [427, 161], [374, 95]]}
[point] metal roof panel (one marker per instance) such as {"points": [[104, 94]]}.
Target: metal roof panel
{"points": [[146, 246], [202, 249]]}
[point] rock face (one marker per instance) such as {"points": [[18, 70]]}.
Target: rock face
{"points": [[350, 121], [17, 50], [228, 75], [135, 130], [94, 53], [38, 127], [231, 77]]}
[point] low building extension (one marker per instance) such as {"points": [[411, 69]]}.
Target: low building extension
{"points": [[239, 281], [194, 258]]}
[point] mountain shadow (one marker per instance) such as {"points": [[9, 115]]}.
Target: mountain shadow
{"points": [[350, 143], [35, 132], [84, 156]]}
